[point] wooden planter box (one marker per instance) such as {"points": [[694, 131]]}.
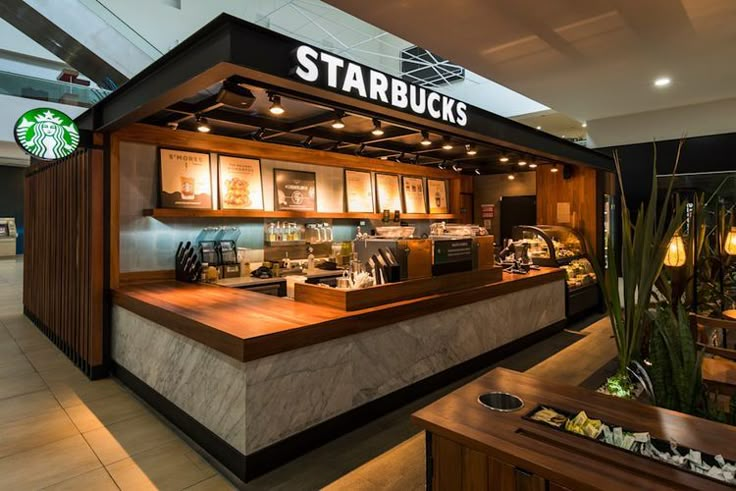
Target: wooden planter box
{"points": [[364, 298]]}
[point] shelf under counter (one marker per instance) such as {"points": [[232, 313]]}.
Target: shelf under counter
{"points": [[248, 326]]}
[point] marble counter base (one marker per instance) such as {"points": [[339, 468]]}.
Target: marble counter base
{"points": [[255, 404]]}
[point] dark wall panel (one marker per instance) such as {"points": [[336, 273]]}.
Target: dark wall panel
{"points": [[11, 198]]}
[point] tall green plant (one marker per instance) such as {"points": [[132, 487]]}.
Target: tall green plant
{"points": [[676, 365], [643, 248]]}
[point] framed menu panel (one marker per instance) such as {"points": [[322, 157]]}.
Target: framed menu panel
{"points": [[414, 196], [358, 191], [437, 195], [185, 179], [240, 183], [295, 190], [388, 192]]}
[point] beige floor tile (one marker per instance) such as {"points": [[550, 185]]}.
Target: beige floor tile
{"points": [[35, 431], [49, 359], [47, 465], [75, 388], [96, 480], [104, 412], [27, 405], [172, 466], [214, 483], [128, 438], [16, 385], [15, 365]]}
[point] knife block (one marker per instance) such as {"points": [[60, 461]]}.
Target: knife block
{"points": [[190, 274]]}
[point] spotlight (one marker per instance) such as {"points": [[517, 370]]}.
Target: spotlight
{"points": [[456, 168], [511, 177], [202, 125], [361, 149], [477, 172], [338, 124], [522, 163], [446, 143], [533, 165], [442, 165], [258, 135], [377, 130], [173, 125], [425, 139], [416, 159], [554, 168], [470, 149], [400, 157], [383, 157], [503, 158], [276, 107], [307, 142]]}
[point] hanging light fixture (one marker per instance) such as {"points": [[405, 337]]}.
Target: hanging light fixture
{"points": [[377, 130], [511, 177], [554, 168], [425, 139], [202, 125], [532, 165], [522, 163], [276, 107], [503, 158], [446, 143], [470, 149], [338, 124], [730, 245], [676, 255]]}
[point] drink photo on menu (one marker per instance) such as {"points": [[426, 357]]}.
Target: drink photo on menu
{"points": [[185, 179], [295, 190]]}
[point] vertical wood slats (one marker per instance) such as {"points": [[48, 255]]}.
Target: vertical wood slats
{"points": [[63, 273]]}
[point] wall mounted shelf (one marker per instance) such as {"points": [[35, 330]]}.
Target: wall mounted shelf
{"points": [[163, 213]]}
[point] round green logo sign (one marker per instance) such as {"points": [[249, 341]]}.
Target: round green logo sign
{"points": [[46, 133]]}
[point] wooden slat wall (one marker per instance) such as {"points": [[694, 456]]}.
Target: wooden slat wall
{"points": [[63, 273]]}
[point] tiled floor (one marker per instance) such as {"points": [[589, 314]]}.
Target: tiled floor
{"points": [[60, 431]]}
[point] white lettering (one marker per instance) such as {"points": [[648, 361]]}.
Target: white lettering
{"points": [[462, 117], [354, 80], [333, 63], [399, 89], [417, 99], [307, 69], [432, 99], [447, 113], [378, 86]]}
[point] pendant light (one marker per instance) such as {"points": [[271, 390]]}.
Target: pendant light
{"points": [[377, 130], [675, 256], [470, 149], [503, 158], [511, 177], [338, 124], [425, 139], [554, 168], [446, 143], [730, 246], [532, 165], [276, 107], [202, 125], [522, 163]]}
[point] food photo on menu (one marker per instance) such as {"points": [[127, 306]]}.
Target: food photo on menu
{"points": [[240, 183]]}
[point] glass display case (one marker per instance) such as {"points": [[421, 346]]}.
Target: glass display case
{"points": [[551, 245], [563, 247]]}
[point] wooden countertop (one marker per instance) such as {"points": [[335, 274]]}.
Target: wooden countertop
{"points": [[248, 325], [572, 461]]}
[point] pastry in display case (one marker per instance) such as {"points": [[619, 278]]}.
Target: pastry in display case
{"points": [[551, 245], [579, 273]]}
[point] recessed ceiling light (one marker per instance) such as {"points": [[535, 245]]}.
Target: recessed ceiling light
{"points": [[202, 125], [511, 177], [563, 136], [425, 139], [503, 158], [522, 163], [533, 165], [276, 107], [338, 124], [383, 157], [584, 125], [377, 130], [539, 127], [470, 149], [446, 143], [662, 82]]}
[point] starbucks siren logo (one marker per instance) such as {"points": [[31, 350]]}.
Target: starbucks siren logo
{"points": [[47, 134]]}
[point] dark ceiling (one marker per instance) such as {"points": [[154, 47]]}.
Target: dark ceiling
{"points": [[308, 124]]}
